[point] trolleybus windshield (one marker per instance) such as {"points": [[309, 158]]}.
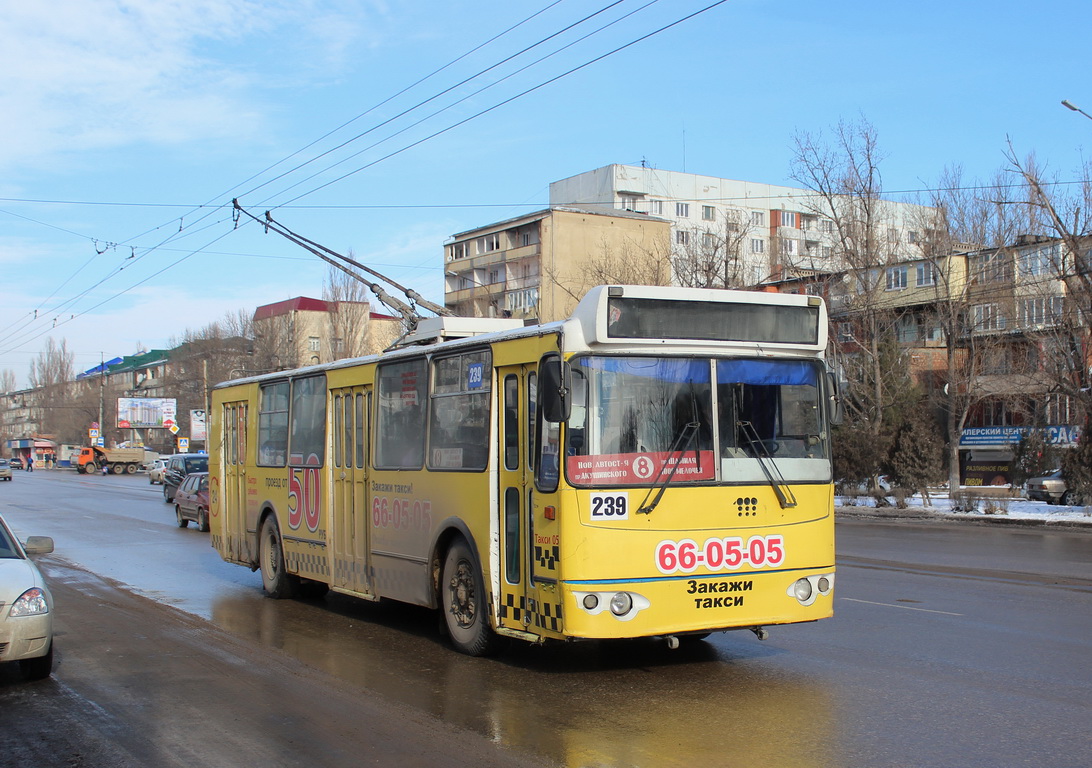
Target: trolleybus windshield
{"points": [[628, 413]]}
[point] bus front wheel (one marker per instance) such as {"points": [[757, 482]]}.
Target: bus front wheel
{"points": [[464, 603], [276, 580]]}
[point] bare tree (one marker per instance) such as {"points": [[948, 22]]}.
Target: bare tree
{"points": [[714, 258], [630, 265], [50, 375], [350, 330], [844, 175]]}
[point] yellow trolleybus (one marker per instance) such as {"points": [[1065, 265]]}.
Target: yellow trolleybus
{"points": [[656, 465]]}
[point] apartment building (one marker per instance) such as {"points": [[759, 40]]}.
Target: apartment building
{"points": [[537, 266], [1016, 320], [305, 331], [766, 232]]}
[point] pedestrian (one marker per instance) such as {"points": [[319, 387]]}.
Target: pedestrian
{"points": [[30, 463]]}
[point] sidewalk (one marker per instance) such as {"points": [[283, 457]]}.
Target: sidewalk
{"points": [[998, 510]]}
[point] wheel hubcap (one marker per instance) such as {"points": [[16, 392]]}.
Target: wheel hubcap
{"points": [[461, 591]]}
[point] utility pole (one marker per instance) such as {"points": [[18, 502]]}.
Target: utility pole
{"points": [[102, 396]]}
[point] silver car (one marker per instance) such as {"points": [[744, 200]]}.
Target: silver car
{"points": [[26, 606], [1050, 488], [5, 469], [155, 474]]}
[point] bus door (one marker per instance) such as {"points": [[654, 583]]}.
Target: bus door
{"points": [[348, 517], [232, 494], [516, 484]]}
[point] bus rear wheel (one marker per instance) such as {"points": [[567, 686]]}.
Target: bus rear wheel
{"points": [[276, 580], [463, 603]]}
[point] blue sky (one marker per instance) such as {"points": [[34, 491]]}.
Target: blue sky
{"points": [[122, 119]]}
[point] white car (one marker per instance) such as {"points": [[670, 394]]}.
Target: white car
{"points": [[26, 606]]}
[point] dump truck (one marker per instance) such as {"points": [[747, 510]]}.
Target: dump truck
{"points": [[116, 460]]}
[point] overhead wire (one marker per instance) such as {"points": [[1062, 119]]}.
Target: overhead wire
{"points": [[208, 204], [407, 147]]}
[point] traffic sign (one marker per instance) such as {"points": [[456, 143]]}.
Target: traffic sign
{"points": [[183, 444]]}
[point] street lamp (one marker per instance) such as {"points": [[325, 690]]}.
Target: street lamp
{"points": [[1070, 105]]}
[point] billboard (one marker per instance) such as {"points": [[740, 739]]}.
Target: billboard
{"points": [[197, 425], [146, 412]]}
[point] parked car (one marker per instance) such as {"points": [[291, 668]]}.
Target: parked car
{"points": [[191, 501], [155, 473], [178, 467], [26, 621], [1051, 488], [5, 469], [16, 462]]}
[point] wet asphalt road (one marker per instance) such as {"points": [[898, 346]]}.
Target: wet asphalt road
{"points": [[952, 645]]}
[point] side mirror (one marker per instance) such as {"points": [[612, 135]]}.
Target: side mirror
{"points": [[835, 409], [554, 389], [38, 545]]}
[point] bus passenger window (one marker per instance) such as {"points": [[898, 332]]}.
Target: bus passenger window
{"points": [[273, 425], [511, 422], [307, 433], [459, 411], [400, 417]]}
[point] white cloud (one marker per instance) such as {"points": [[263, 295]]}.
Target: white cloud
{"points": [[82, 75]]}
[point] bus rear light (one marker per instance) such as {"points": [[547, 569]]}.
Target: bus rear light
{"points": [[550, 512], [806, 589]]}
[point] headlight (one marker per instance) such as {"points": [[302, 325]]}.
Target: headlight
{"points": [[808, 589], [624, 606], [30, 603], [621, 604]]}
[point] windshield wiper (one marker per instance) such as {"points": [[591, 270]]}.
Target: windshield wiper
{"points": [[674, 457], [769, 467]]}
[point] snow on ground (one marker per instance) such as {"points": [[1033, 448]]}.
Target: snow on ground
{"points": [[994, 506]]}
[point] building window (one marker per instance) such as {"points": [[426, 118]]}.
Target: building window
{"points": [[682, 237], [458, 251], [525, 238], [682, 210], [1039, 261], [709, 240], [758, 246], [788, 219], [913, 237], [826, 225], [892, 235], [489, 243], [1057, 410], [992, 268], [314, 344], [629, 202], [896, 278], [1042, 310], [758, 219], [708, 213], [927, 273], [656, 207], [787, 247], [522, 301], [826, 251], [494, 276], [988, 317]]}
